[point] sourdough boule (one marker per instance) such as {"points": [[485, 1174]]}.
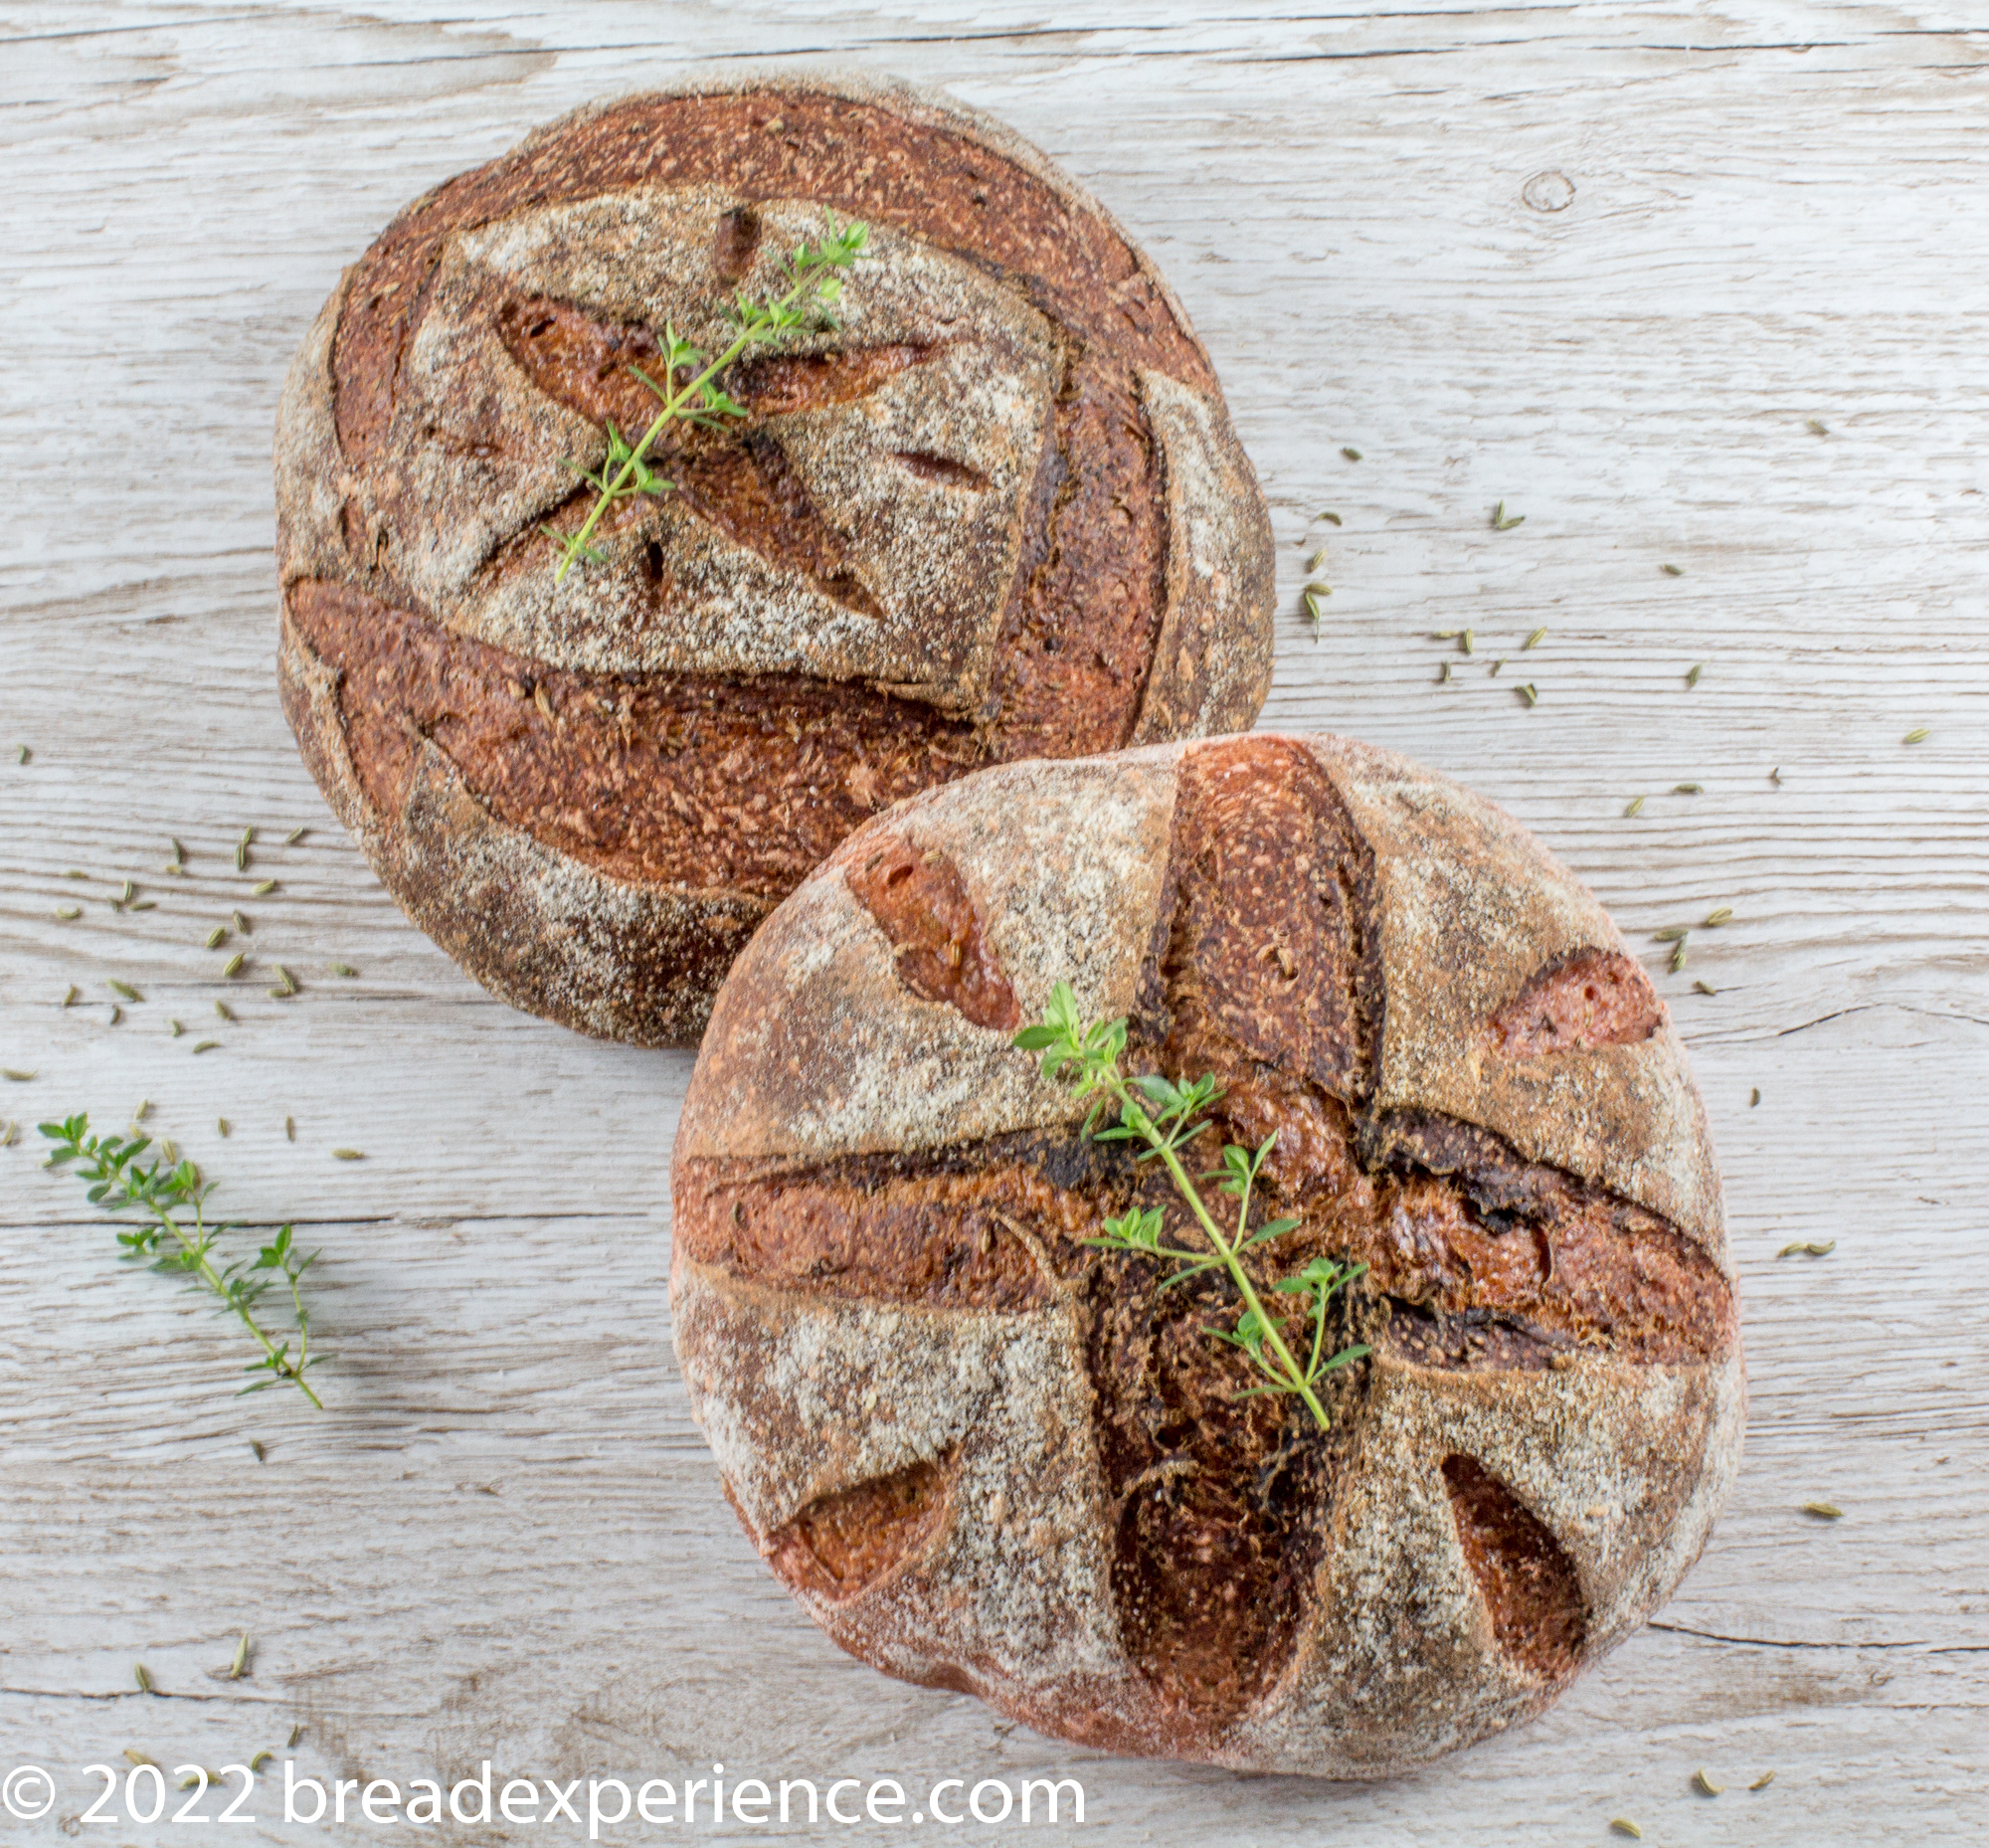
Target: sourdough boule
{"points": [[985, 1454]]}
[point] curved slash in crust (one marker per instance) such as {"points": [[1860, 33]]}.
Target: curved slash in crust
{"points": [[1264, 970]]}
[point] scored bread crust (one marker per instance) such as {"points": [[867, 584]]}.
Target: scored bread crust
{"points": [[891, 1329], [416, 454]]}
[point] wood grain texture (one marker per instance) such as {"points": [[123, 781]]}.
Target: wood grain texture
{"points": [[505, 1539]]}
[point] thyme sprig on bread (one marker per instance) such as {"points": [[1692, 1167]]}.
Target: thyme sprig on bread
{"points": [[815, 283], [166, 1190], [1168, 1117]]}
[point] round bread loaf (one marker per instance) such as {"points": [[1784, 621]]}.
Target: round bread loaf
{"points": [[998, 512], [986, 1455]]}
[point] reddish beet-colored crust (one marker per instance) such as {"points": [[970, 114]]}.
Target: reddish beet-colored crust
{"points": [[422, 423], [1217, 1515]]}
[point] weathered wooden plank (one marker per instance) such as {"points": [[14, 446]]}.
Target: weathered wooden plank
{"points": [[507, 1539]]}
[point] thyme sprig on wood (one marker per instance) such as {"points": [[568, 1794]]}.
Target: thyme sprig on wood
{"points": [[1167, 1117], [815, 283], [166, 1190]]}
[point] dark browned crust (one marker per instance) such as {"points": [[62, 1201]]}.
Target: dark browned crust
{"points": [[1264, 970], [840, 1545], [864, 159], [664, 779], [1527, 1581], [922, 904], [740, 817], [1585, 999]]}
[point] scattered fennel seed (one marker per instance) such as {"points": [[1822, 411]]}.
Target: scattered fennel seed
{"points": [[1705, 1783], [1624, 1826], [174, 1029], [69, 1000], [1691, 677], [205, 1046], [1352, 455], [1918, 735], [74, 872], [1530, 693], [8, 1134], [220, 1008], [1824, 1511], [1722, 914], [239, 922], [1464, 641], [1443, 672], [241, 1662], [124, 988], [141, 904], [217, 936], [18, 1078], [1672, 933], [1817, 424], [1317, 561], [69, 913], [144, 1680], [1636, 806], [341, 969], [221, 1127], [1314, 596], [290, 1129], [1775, 776], [129, 892], [22, 754], [1753, 1097], [1763, 1781], [170, 1150], [260, 1760], [1673, 571], [294, 836], [1331, 519], [143, 1111], [1808, 1248], [140, 1758], [1445, 634], [117, 1013], [232, 967], [1499, 522], [264, 887], [1495, 665], [1688, 789], [288, 981], [1534, 639], [1678, 956], [348, 1155], [242, 857], [1705, 986], [296, 1733]]}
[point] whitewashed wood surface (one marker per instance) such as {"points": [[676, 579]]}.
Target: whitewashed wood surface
{"points": [[505, 1538]]}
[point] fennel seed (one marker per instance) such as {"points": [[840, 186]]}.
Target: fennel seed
{"points": [[1705, 1783], [1824, 1511], [69, 913], [144, 1680], [1672, 933], [217, 936], [1352, 455], [1673, 571], [348, 1155], [239, 922], [1753, 1097], [1464, 641], [220, 1008], [1763, 1781], [1918, 735], [1817, 424], [1678, 956], [1705, 986], [294, 836], [18, 1078], [264, 887], [1691, 677], [1534, 639], [341, 969], [1722, 914], [290, 1129], [1636, 806], [232, 967], [221, 1127], [1624, 1826], [174, 1029], [1500, 523], [69, 1000], [1331, 519], [124, 988], [206, 1045]]}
